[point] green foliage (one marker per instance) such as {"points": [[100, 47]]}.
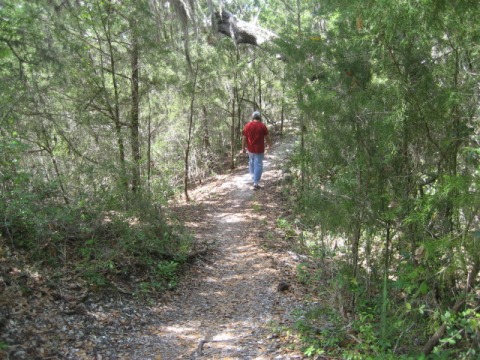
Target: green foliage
{"points": [[164, 277], [321, 329], [309, 277], [387, 162], [462, 336], [168, 271], [66, 199], [94, 278], [94, 242], [385, 98], [286, 227]]}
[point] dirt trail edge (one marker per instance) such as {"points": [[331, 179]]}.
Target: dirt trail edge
{"points": [[233, 296]]}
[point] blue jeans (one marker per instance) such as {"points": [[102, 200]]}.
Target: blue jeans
{"points": [[255, 166]]}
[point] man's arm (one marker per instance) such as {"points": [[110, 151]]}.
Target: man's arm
{"points": [[269, 140]]}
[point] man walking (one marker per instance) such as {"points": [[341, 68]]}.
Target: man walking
{"points": [[255, 133]]}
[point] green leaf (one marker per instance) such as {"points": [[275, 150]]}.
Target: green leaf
{"points": [[421, 309], [423, 289], [4, 52]]}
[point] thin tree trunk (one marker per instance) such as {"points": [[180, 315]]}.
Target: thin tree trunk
{"points": [[232, 132], [206, 132], [134, 124], [383, 320], [149, 147], [259, 91], [189, 138], [299, 17], [116, 113], [303, 128], [207, 151], [59, 179], [49, 149], [239, 127], [234, 104], [121, 156], [355, 246], [282, 119], [454, 150]]}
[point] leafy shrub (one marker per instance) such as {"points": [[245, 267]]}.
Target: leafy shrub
{"points": [[137, 245]]}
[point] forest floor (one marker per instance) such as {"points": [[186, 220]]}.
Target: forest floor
{"points": [[232, 302]]}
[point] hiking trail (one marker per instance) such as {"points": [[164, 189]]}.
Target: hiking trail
{"points": [[228, 306], [232, 301]]}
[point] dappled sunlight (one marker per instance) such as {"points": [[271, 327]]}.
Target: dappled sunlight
{"points": [[226, 310], [231, 218], [224, 336], [177, 329]]}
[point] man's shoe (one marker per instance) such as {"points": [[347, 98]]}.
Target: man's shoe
{"points": [[256, 187]]}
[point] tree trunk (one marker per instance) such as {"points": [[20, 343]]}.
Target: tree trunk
{"points": [[282, 117], [207, 150], [134, 124], [355, 252], [234, 105], [303, 128], [189, 138], [383, 320], [232, 132], [50, 150], [149, 146], [259, 91], [115, 113]]}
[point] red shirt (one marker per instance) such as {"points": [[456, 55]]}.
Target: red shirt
{"points": [[255, 131]]}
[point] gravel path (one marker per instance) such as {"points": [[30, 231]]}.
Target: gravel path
{"points": [[227, 309]]}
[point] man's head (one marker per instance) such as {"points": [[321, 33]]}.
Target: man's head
{"points": [[257, 116]]}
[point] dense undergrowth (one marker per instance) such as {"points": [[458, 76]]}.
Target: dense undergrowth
{"points": [[98, 240], [362, 314]]}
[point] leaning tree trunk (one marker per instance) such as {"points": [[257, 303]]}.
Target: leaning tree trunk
{"points": [[240, 31]]}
